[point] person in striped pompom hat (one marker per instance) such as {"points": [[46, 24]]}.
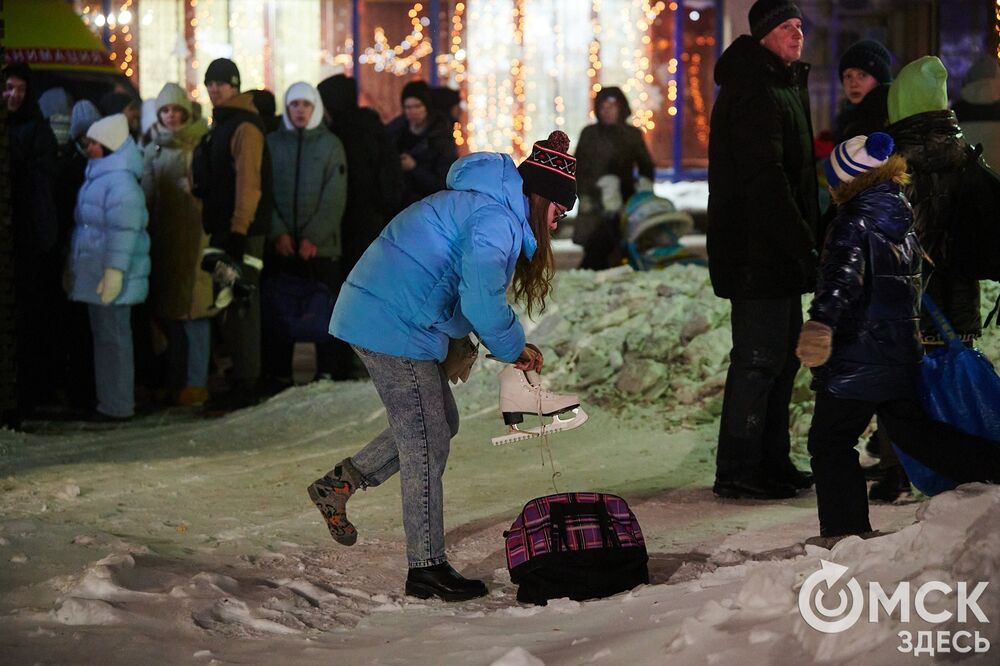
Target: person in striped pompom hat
{"points": [[440, 270], [862, 341]]}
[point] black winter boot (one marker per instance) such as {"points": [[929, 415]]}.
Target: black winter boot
{"points": [[889, 488], [441, 580]]}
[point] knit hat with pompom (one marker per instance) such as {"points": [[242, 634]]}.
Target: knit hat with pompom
{"points": [[855, 156], [550, 171]]}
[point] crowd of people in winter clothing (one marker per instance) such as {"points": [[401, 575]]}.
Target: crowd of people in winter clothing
{"points": [[162, 241], [166, 246], [892, 178]]}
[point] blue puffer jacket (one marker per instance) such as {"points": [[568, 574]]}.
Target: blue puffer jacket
{"points": [[441, 268], [869, 294], [110, 229]]}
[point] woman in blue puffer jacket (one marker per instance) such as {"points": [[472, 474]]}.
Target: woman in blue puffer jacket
{"points": [[862, 341], [109, 259], [439, 271]]}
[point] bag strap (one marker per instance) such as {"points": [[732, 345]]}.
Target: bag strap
{"points": [[993, 313], [941, 323], [557, 522]]}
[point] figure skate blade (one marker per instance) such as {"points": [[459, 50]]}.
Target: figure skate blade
{"points": [[557, 425]]}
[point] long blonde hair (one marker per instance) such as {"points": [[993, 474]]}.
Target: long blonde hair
{"points": [[533, 279]]}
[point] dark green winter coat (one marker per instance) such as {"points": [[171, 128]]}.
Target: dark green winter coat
{"points": [[310, 186], [762, 206]]}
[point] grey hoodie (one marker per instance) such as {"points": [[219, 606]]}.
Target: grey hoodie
{"points": [[55, 104]]}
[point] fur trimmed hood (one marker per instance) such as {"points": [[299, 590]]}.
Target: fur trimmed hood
{"points": [[893, 170]]}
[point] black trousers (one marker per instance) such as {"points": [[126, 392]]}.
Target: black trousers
{"points": [[753, 434], [333, 357], [841, 493]]}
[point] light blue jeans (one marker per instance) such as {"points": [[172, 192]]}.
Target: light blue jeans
{"points": [[189, 348], [423, 418], [114, 366]]}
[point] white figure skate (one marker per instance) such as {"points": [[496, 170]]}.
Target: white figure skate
{"points": [[522, 393]]}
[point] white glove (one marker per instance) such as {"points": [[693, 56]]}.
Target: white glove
{"points": [[110, 285], [611, 193]]}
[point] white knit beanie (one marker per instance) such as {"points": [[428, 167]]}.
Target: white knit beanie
{"points": [[110, 132], [855, 156], [302, 90]]}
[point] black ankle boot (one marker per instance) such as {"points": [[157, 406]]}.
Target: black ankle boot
{"points": [[441, 580]]}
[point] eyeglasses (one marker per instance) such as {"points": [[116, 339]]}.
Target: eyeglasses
{"points": [[560, 216]]}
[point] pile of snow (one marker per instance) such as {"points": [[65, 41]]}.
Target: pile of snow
{"points": [[625, 338]]}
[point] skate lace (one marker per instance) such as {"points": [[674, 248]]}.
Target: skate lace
{"points": [[543, 447]]}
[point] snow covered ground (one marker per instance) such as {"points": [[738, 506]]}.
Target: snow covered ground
{"points": [[175, 539]]}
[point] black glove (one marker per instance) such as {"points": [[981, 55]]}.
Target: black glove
{"points": [[235, 246]]}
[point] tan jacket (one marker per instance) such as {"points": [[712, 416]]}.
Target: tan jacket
{"points": [[247, 148]]}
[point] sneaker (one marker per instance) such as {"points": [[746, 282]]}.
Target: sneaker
{"points": [[442, 581], [192, 396], [330, 495]]}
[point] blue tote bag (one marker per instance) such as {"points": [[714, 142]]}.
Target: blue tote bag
{"points": [[958, 386]]}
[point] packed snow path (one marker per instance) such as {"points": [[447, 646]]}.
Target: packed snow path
{"points": [[175, 539]]}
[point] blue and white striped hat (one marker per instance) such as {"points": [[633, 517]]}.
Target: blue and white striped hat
{"points": [[855, 156]]}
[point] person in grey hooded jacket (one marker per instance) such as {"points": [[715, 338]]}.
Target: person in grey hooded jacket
{"points": [[310, 193]]}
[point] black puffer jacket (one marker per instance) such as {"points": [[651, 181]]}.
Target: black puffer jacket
{"points": [[869, 292], [374, 177], [434, 152], [871, 115], [32, 152], [762, 206], [935, 150]]}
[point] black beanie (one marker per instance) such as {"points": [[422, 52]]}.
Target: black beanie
{"points": [[869, 56], [419, 90], [766, 15], [550, 171], [443, 99], [223, 70]]}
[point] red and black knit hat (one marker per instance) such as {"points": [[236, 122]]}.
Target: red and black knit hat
{"points": [[550, 171]]}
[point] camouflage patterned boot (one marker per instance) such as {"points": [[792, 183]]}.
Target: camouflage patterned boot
{"points": [[330, 495]]}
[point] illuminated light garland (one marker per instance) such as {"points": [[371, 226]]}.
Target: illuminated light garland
{"points": [[996, 26], [594, 52], [492, 74], [627, 56], [404, 58], [118, 24]]}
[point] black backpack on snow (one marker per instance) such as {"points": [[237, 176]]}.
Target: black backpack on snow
{"points": [[576, 545]]}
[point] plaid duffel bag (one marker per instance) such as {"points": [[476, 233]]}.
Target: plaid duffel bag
{"points": [[576, 545]]}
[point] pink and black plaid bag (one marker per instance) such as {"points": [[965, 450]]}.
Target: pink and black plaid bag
{"points": [[576, 545]]}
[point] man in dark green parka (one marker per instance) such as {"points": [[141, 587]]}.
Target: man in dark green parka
{"points": [[763, 213]]}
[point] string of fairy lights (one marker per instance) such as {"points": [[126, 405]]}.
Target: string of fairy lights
{"points": [[403, 58], [119, 24], [996, 25], [512, 83]]}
